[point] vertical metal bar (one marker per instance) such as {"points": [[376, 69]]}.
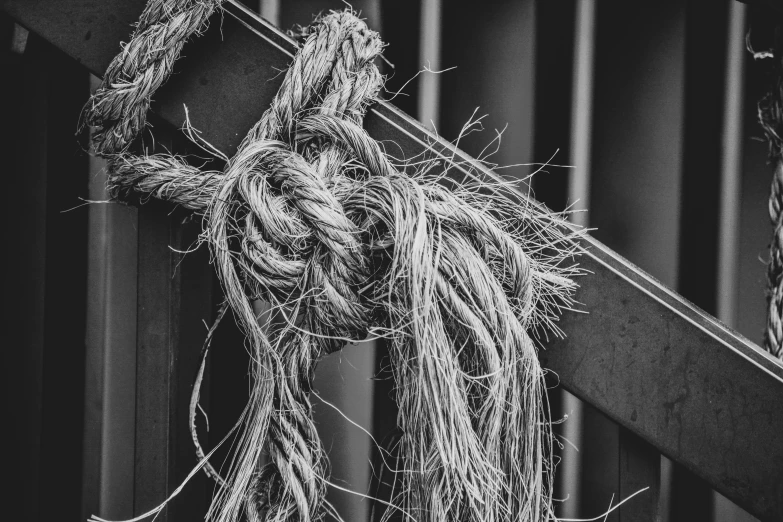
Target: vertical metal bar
{"points": [[371, 11], [344, 379], [95, 342], [640, 467], [579, 197], [119, 392], [731, 166], [430, 38], [270, 9], [727, 280], [158, 300], [582, 111], [111, 352]]}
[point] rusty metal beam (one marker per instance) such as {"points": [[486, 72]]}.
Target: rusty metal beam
{"points": [[696, 390]]}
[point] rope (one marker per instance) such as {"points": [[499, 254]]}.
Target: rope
{"points": [[118, 108], [770, 110], [773, 333], [311, 216]]}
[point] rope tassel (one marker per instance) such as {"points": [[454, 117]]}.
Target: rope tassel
{"points": [[311, 216]]}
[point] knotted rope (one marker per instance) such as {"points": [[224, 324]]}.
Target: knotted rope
{"points": [[311, 216], [770, 109]]}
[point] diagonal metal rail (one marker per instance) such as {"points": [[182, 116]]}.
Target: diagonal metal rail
{"points": [[702, 394]]}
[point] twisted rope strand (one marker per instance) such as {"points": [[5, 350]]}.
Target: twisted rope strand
{"points": [[311, 216], [118, 109], [770, 110], [773, 333]]}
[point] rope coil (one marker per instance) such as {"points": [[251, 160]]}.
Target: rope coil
{"points": [[311, 216]]}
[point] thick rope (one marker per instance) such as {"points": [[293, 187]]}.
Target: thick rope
{"points": [[771, 118], [773, 333], [311, 216], [118, 108]]}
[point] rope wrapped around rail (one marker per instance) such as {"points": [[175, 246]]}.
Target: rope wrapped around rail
{"points": [[313, 217]]}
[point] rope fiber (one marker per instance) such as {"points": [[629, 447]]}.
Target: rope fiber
{"points": [[311, 216]]}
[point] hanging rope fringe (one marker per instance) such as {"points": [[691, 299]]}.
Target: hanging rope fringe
{"points": [[311, 216], [770, 110]]}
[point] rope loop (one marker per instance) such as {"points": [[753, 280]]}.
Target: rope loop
{"points": [[118, 109]]}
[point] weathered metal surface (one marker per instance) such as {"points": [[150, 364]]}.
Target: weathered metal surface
{"points": [[156, 356], [640, 468], [656, 364], [698, 392], [174, 301]]}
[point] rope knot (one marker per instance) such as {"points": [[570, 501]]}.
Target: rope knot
{"points": [[312, 216], [278, 184]]}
